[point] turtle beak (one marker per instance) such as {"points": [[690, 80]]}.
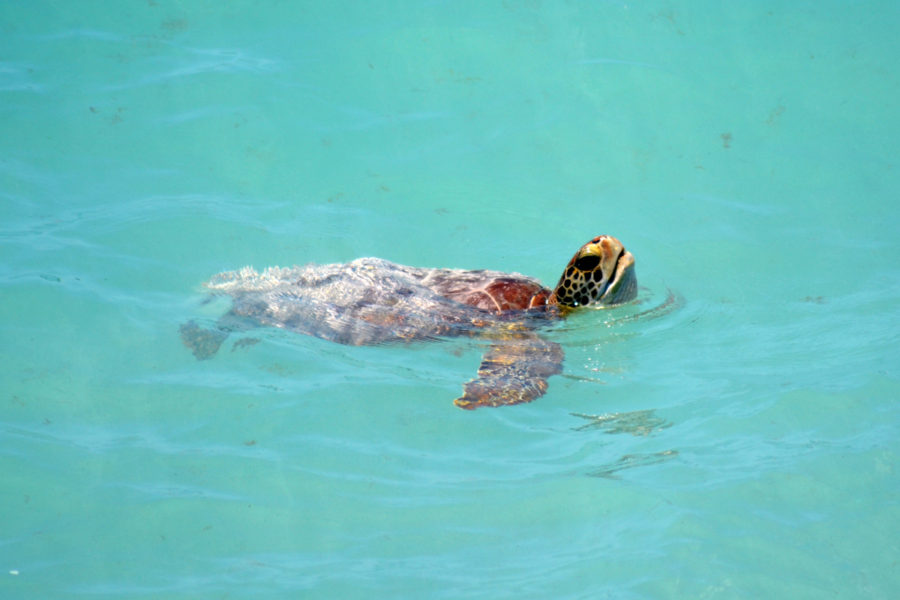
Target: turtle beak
{"points": [[617, 266], [622, 284]]}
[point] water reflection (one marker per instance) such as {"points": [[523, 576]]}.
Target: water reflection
{"points": [[633, 460], [638, 422]]}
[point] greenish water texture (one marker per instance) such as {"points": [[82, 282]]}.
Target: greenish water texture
{"points": [[742, 445]]}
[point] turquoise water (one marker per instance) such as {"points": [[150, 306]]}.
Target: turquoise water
{"points": [[743, 445]]}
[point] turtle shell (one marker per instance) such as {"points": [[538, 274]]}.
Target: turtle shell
{"points": [[371, 300]]}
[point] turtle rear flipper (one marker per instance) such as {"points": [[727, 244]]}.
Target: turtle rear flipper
{"points": [[514, 370], [203, 343]]}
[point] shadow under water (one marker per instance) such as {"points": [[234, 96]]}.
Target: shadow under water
{"points": [[629, 461], [637, 423]]}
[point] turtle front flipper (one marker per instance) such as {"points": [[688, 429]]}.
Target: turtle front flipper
{"points": [[514, 370]]}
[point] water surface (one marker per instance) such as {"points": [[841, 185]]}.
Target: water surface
{"points": [[743, 445]]}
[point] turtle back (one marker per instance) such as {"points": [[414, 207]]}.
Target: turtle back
{"points": [[371, 300]]}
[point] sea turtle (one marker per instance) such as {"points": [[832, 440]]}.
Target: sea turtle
{"points": [[372, 301]]}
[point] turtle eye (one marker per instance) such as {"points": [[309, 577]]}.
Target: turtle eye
{"points": [[587, 263]]}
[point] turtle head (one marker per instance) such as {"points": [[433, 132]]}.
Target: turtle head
{"points": [[600, 274]]}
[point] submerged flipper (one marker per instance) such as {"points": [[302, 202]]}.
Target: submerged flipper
{"points": [[514, 370], [204, 343]]}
